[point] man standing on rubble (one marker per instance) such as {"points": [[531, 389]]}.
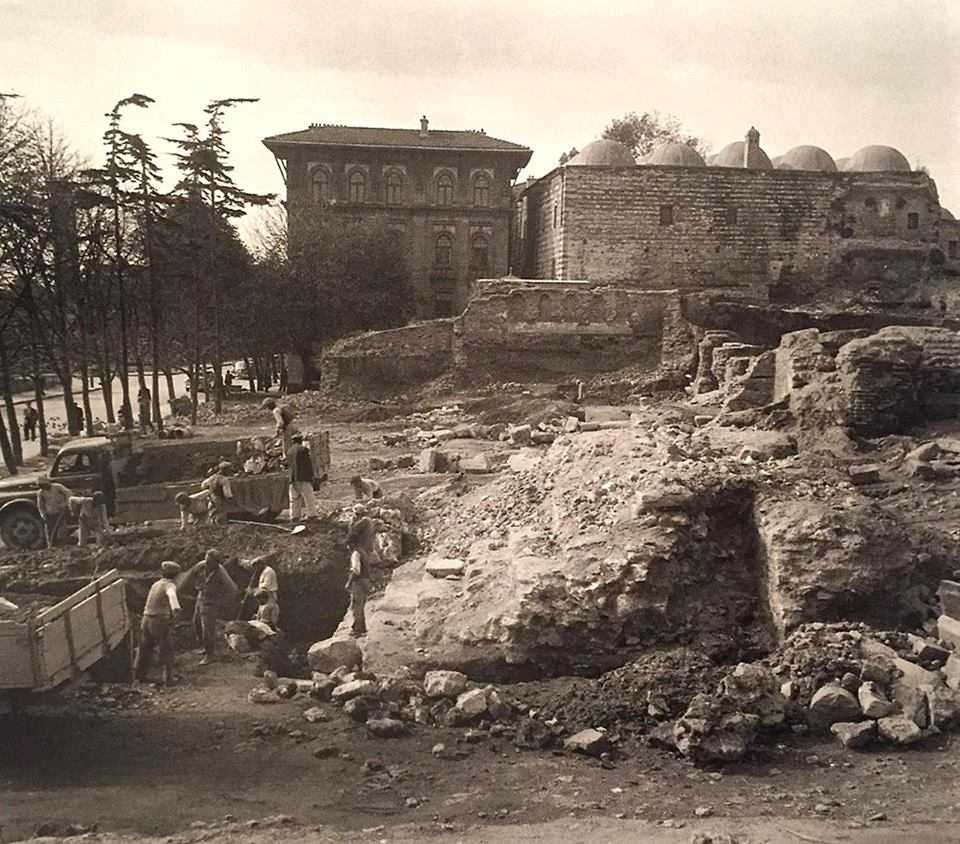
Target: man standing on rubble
{"points": [[160, 613], [300, 480], [360, 541], [53, 502], [215, 588], [283, 418]]}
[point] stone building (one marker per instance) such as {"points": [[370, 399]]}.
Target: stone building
{"points": [[446, 193], [739, 224]]}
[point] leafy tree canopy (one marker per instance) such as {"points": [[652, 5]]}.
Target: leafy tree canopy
{"points": [[642, 133]]}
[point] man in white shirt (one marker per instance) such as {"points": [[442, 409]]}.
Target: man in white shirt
{"points": [[160, 611], [262, 576], [53, 502]]}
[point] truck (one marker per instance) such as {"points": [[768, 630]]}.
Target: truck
{"points": [[91, 464], [42, 651]]}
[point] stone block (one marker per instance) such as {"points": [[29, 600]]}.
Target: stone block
{"points": [[949, 593], [440, 684], [520, 434], [477, 465], [330, 654], [899, 730], [854, 735], [863, 475], [944, 706], [948, 630], [407, 461], [873, 702], [924, 453], [916, 676], [444, 434], [952, 671], [571, 425], [912, 703], [465, 432], [433, 460], [589, 742], [386, 727], [542, 437], [472, 703], [830, 704], [379, 464], [445, 567], [927, 651], [355, 688]]}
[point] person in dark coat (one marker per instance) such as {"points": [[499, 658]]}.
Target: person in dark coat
{"points": [[301, 480]]}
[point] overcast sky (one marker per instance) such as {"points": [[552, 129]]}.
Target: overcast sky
{"points": [[550, 75]]}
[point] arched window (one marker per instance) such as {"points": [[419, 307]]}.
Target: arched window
{"points": [[443, 255], [481, 189], [321, 185], [480, 256], [445, 189], [358, 186], [394, 188]]}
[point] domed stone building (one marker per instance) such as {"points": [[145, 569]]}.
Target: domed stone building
{"points": [[603, 153]]}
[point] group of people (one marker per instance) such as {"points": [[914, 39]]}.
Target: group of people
{"points": [[215, 592], [56, 503]]}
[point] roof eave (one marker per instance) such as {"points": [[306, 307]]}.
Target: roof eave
{"points": [[274, 143]]}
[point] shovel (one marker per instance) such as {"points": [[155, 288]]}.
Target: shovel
{"points": [[292, 531]]}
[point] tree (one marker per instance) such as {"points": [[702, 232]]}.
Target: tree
{"points": [[645, 132], [567, 156]]}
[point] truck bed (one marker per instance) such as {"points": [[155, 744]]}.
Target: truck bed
{"points": [[57, 644]]}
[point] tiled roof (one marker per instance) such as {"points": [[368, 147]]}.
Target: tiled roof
{"points": [[331, 135]]}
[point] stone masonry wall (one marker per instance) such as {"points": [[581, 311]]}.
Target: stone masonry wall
{"points": [[751, 233]]}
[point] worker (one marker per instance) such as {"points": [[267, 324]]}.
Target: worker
{"points": [[300, 480], [360, 541], [268, 610], [30, 418], [53, 502], [194, 509], [160, 613], [217, 484], [365, 488], [283, 417], [214, 588], [262, 576], [91, 515]]}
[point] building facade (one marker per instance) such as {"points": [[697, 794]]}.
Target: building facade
{"points": [[447, 195], [739, 223]]}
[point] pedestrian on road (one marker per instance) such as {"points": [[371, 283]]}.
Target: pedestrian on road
{"points": [[301, 480], [217, 484], [160, 613], [283, 417], [365, 489], [30, 418], [53, 502], [194, 509], [91, 515], [215, 588], [360, 541]]}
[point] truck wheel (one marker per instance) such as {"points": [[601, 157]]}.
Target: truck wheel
{"points": [[21, 529]]}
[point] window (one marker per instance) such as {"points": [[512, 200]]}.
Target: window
{"points": [[358, 186], [666, 215], [445, 189], [481, 189], [913, 220], [732, 215], [394, 188], [480, 256], [443, 254], [952, 248], [321, 185], [554, 214]]}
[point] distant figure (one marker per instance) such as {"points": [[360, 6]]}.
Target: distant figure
{"points": [[53, 502], [194, 509], [365, 489], [228, 378], [30, 419], [144, 406], [91, 515], [283, 417], [156, 629], [75, 421], [123, 420], [284, 380], [360, 541], [217, 484], [300, 480]]}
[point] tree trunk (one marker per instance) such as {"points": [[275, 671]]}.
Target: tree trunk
{"points": [[85, 378], [16, 446], [194, 390], [248, 363], [106, 386], [171, 389], [38, 398], [5, 448]]}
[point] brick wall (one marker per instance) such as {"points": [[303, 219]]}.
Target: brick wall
{"points": [[757, 233]]}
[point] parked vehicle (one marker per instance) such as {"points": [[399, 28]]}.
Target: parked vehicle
{"points": [[57, 645]]}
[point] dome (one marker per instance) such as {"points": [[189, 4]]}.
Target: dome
{"points": [[732, 156], [676, 155], [878, 159], [808, 158], [603, 152], [842, 163], [946, 215]]}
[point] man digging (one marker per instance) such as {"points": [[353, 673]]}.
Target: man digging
{"points": [[160, 613], [215, 588]]}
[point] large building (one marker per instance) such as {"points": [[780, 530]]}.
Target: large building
{"points": [[782, 230], [447, 194]]}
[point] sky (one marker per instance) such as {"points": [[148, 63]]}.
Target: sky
{"points": [[549, 75]]}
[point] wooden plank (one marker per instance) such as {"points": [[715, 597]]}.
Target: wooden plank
{"points": [[78, 596], [16, 665]]}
